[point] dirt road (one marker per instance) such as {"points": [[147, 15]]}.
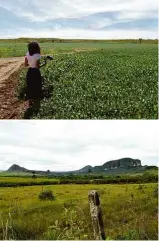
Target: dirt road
{"points": [[10, 106]]}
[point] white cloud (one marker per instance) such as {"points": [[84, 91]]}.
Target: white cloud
{"points": [[136, 15], [97, 24], [38, 10], [70, 145], [71, 33]]}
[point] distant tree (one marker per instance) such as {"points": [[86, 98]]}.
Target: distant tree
{"points": [[140, 40], [33, 176], [89, 170], [48, 172]]}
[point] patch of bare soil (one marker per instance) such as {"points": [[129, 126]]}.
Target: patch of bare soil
{"points": [[10, 106], [84, 50]]}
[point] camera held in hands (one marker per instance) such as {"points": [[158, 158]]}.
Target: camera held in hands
{"points": [[49, 57]]}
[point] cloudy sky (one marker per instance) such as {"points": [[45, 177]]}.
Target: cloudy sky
{"points": [[97, 19], [70, 145]]}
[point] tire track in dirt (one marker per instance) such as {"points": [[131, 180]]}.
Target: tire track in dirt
{"points": [[10, 106]]}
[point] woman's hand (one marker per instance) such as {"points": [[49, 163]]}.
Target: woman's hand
{"points": [[26, 62], [45, 62]]}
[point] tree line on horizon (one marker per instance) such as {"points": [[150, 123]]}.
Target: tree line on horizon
{"points": [[58, 40]]}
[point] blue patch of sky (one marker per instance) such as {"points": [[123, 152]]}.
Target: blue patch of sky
{"points": [[9, 19], [86, 21], [142, 24]]}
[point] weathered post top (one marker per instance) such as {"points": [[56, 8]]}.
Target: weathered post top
{"points": [[94, 197]]}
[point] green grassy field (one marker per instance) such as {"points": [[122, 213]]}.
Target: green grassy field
{"points": [[17, 49], [129, 212], [7, 173], [19, 179], [25, 180], [117, 82], [20, 49]]}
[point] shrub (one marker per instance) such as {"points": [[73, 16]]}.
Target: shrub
{"points": [[46, 195]]}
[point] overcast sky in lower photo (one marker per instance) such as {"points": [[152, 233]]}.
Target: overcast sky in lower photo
{"points": [[71, 145]]}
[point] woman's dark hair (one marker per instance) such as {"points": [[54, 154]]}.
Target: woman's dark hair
{"points": [[34, 48]]}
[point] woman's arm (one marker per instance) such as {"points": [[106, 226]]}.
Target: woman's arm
{"points": [[41, 65]]}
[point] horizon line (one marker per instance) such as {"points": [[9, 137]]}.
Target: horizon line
{"points": [[12, 38]]}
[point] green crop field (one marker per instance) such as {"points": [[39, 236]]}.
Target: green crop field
{"points": [[20, 49], [14, 49], [116, 82], [17, 48], [129, 212]]}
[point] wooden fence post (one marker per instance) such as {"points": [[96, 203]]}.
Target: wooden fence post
{"points": [[96, 215]]}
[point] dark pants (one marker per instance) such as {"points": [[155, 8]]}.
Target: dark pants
{"points": [[34, 84]]}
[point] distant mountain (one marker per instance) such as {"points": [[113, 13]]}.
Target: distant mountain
{"points": [[123, 165], [16, 168], [84, 169]]}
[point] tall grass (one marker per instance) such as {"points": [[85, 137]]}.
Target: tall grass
{"points": [[129, 212]]}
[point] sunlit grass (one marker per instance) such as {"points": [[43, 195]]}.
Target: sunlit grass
{"points": [[129, 212]]}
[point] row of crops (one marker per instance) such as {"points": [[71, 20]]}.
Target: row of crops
{"points": [[116, 83]]}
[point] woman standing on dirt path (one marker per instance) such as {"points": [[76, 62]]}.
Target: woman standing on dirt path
{"points": [[33, 77]]}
